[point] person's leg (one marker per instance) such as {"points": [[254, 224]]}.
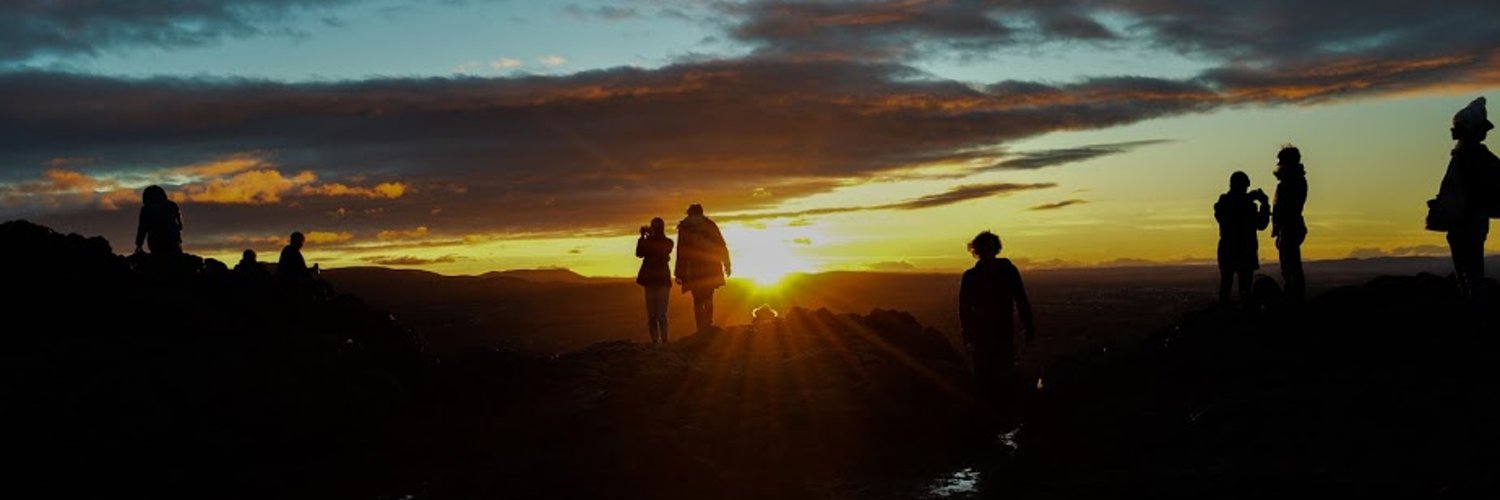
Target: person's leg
{"points": [[651, 314], [663, 295], [700, 299], [1289, 245], [708, 309], [1226, 281], [1247, 285], [1466, 243]]}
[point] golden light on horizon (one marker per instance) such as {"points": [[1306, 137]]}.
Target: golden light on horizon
{"points": [[766, 256]]}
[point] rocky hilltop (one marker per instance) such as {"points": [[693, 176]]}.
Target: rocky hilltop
{"points": [[139, 378]]}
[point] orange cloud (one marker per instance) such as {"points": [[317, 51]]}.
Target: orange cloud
{"points": [[388, 190], [325, 237], [387, 235], [224, 166], [256, 187]]}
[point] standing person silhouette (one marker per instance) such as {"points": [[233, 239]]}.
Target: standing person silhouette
{"points": [[1287, 225], [160, 224], [1239, 246], [1467, 198], [702, 263], [989, 298], [654, 249]]}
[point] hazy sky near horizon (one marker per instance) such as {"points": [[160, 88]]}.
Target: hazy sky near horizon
{"points": [[462, 136]]}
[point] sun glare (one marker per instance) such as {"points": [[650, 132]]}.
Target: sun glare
{"points": [[766, 261]]}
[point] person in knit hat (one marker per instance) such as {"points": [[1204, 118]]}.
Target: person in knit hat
{"points": [[1468, 197]]}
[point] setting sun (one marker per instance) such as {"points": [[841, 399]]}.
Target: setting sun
{"points": [[766, 256]]}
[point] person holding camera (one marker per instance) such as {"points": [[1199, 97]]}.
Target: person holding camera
{"points": [[1241, 214], [655, 251]]}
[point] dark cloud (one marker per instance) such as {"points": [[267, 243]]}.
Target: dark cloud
{"points": [[386, 260], [1058, 205], [956, 195], [592, 150], [1054, 157], [880, 29], [30, 28], [828, 96]]}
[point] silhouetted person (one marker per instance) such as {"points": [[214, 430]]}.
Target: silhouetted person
{"points": [[989, 299], [249, 266], [160, 225], [291, 264], [1287, 225], [1239, 246], [702, 263], [1467, 198], [654, 249]]}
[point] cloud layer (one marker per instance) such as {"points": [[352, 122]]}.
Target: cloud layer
{"points": [[829, 93]]}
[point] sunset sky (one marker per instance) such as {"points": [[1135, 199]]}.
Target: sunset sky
{"points": [[463, 136]]}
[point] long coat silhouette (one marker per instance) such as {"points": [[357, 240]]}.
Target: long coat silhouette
{"points": [[1288, 226], [702, 255]]}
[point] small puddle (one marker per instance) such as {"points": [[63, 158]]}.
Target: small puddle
{"points": [[959, 484], [1008, 440], [964, 483]]}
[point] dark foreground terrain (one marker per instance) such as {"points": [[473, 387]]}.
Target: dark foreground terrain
{"points": [[136, 378]]}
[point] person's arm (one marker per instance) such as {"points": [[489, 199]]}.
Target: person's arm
{"points": [[723, 249], [1023, 305], [640, 247], [1263, 214], [682, 243], [965, 306], [140, 230]]}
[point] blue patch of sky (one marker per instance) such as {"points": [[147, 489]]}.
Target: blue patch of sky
{"points": [[397, 39]]}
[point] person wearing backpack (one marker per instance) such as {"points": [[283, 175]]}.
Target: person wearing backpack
{"points": [[160, 226], [1467, 198]]}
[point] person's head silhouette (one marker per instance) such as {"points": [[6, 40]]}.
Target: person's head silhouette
{"points": [[1472, 123], [1239, 182], [695, 209], [986, 245], [248, 256], [154, 195], [297, 239], [1288, 161], [658, 227]]}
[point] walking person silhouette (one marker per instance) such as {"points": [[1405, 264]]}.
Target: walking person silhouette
{"points": [[1287, 225], [1239, 244], [654, 249], [990, 297], [160, 224], [702, 263], [1467, 198]]}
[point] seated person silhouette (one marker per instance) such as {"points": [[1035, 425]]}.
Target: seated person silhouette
{"points": [[160, 224], [291, 266], [990, 297], [248, 266]]}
